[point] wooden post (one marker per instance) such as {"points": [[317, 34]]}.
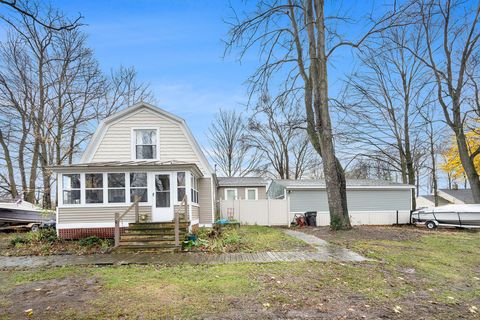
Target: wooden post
{"points": [[137, 214], [177, 227], [117, 229]]}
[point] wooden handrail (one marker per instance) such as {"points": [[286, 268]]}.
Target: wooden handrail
{"points": [[176, 219], [119, 217]]}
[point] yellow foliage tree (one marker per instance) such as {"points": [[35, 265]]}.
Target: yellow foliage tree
{"points": [[452, 163]]}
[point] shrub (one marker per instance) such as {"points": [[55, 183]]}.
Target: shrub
{"points": [[48, 235], [232, 238], [19, 240], [90, 241]]}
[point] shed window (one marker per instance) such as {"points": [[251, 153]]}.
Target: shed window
{"points": [[251, 194], [71, 188], [138, 186], [145, 143], [230, 194], [116, 187], [94, 188]]}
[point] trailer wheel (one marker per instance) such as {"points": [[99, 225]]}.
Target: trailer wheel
{"points": [[430, 224], [35, 228]]}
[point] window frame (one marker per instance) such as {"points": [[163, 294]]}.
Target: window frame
{"points": [[249, 189], [88, 189], [231, 189], [125, 201], [134, 143], [193, 189], [130, 188], [185, 187], [71, 189]]}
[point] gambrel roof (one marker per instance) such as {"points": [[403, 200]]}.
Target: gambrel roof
{"points": [[115, 118]]}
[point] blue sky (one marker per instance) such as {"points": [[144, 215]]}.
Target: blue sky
{"points": [[175, 46]]}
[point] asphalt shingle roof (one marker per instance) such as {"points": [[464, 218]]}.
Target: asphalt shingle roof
{"points": [[242, 181], [464, 195], [350, 183]]}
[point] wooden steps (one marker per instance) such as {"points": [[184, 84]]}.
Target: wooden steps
{"points": [[154, 236]]}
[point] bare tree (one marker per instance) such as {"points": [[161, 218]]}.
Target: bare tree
{"points": [[275, 131], [450, 34], [52, 94], [229, 153], [295, 42], [387, 95], [31, 10]]}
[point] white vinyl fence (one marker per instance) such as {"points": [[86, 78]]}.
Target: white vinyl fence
{"points": [[266, 212], [275, 213]]}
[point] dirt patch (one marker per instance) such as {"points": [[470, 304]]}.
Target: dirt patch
{"points": [[311, 301], [50, 297]]}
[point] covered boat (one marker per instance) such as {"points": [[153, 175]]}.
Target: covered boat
{"points": [[454, 215], [19, 212]]}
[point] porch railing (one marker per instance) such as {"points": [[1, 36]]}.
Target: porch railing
{"points": [[119, 217], [176, 218]]}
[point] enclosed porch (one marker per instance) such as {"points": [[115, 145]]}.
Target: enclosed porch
{"points": [[90, 195]]}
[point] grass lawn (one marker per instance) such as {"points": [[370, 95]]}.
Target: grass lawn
{"points": [[434, 275], [247, 239]]}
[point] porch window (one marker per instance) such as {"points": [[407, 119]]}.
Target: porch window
{"points": [[138, 186], [71, 188], [116, 187], [145, 143], [94, 188], [180, 186], [194, 189]]}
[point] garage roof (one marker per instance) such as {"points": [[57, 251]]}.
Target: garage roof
{"points": [[320, 183], [242, 182]]}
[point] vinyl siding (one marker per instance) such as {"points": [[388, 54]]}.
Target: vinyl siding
{"points": [[205, 200], [262, 192], [195, 213], [97, 214], [173, 142], [358, 200]]}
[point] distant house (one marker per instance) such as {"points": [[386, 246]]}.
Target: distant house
{"points": [[446, 196], [247, 188]]}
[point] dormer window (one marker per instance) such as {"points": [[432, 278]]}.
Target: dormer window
{"points": [[145, 143]]}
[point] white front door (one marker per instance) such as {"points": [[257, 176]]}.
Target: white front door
{"points": [[162, 209]]}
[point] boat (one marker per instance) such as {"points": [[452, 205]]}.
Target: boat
{"points": [[453, 215], [18, 211]]}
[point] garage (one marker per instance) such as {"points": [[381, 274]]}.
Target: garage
{"points": [[373, 202]]}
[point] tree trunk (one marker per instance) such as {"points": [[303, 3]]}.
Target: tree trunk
{"points": [[468, 164], [332, 168], [8, 162]]}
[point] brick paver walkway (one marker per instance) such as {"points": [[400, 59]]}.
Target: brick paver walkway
{"points": [[324, 252]]}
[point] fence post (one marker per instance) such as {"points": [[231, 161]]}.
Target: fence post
{"points": [[268, 212], [137, 213], [288, 211], [117, 229]]}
